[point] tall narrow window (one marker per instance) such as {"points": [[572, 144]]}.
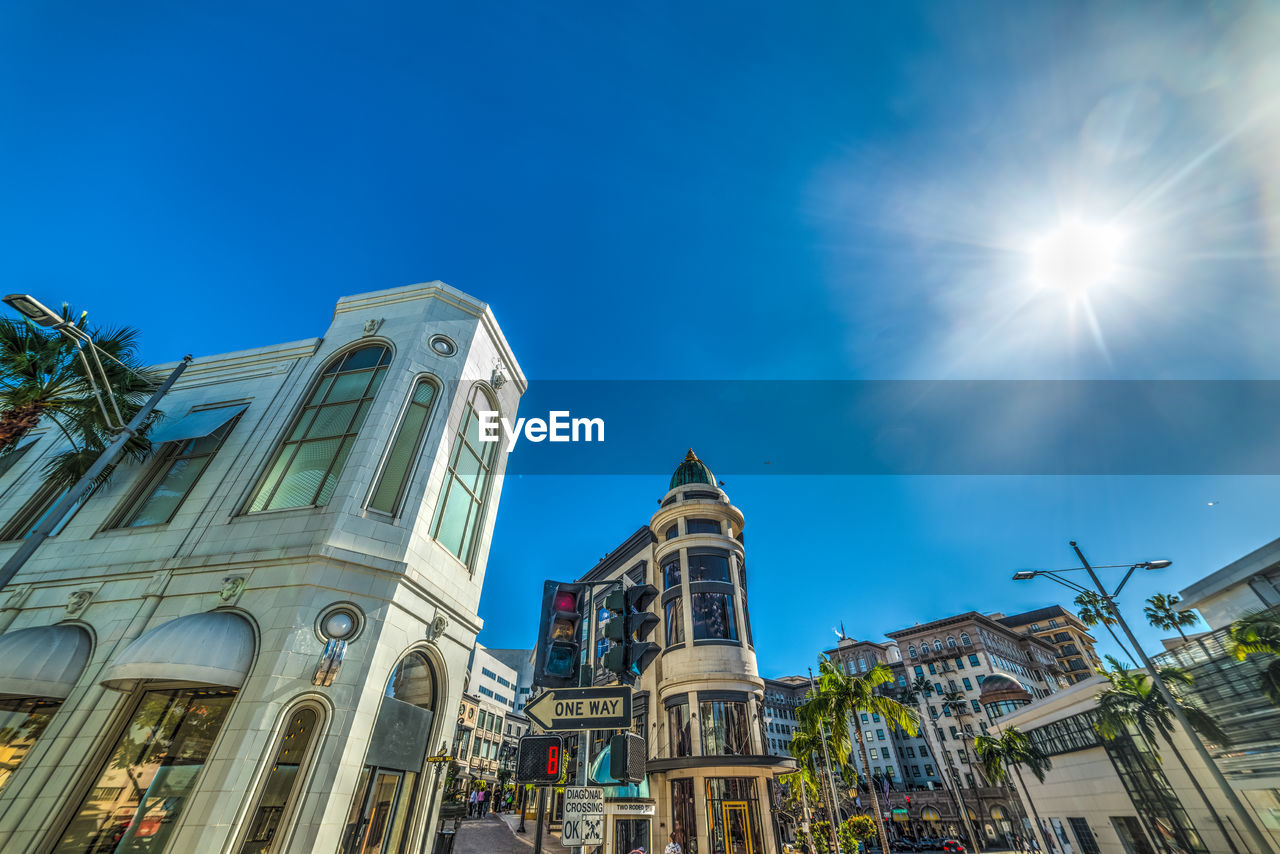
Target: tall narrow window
{"points": [[281, 782], [36, 508], [678, 729], [674, 611], [404, 450], [171, 481], [466, 483], [305, 470]]}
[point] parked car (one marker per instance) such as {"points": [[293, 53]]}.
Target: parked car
{"points": [[953, 846]]}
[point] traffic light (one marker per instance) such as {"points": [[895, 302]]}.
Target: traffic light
{"points": [[559, 635], [626, 757], [539, 759], [629, 624]]}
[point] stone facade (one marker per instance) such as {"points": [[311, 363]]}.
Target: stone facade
{"points": [[292, 639], [701, 704]]}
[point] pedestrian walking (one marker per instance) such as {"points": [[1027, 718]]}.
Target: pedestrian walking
{"points": [[484, 802], [473, 803], [673, 847]]}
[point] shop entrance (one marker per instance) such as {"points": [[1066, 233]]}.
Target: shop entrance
{"points": [[737, 827], [376, 822]]}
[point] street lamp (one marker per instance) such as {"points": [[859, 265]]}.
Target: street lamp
{"points": [[41, 314], [1056, 575], [38, 313]]}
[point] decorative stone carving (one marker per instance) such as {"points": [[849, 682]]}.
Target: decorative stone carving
{"points": [[438, 625], [372, 325], [232, 587], [77, 601]]}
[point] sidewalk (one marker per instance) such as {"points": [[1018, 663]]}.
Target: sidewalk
{"points": [[496, 835]]}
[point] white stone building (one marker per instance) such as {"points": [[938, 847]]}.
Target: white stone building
{"points": [[252, 642]]}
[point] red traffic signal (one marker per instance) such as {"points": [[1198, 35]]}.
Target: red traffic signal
{"points": [[559, 650], [540, 759]]}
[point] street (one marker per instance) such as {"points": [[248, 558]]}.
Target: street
{"points": [[496, 835]]}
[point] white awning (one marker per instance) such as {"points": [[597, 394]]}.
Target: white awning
{"points": [[195, 425], [210, 648], [44, 661]]}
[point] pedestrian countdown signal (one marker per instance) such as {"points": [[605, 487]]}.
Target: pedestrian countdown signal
{"points": [[540, 759]]}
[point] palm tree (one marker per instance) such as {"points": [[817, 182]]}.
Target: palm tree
{"points": [[1012, 749], [1095, 610], [1259, 633], [916, 694], [1133, 703], [1163, 613], [841, 697], [804, 747], [42, 375]]}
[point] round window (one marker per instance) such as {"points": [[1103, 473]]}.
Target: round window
{"points": [[340, 621], [443, 345]]}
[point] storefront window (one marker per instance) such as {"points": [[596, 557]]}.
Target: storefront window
{"points": [[710, 566], [684, 816], [734, 813], [678, 727], [281, 781], [21, 722], [139, 795], [713, 616], [724, 729]]}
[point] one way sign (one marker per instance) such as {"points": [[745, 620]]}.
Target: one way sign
{"points": [[563, 709]]}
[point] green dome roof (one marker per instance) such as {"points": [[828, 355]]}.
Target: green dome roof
{"points": [[692, 470]]}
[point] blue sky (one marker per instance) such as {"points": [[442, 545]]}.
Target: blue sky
{"points": [[722, 191]]}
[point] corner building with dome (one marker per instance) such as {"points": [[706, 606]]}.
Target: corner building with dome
{"points": [[700, 704]]}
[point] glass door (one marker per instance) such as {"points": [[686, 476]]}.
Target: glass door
{"points": [[737, 827], [375, 824]]}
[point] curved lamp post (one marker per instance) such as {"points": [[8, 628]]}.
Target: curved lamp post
{"points": [[33, 309], [1259, 841]]}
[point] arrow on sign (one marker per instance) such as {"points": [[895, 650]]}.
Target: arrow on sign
{"points": [[562, 709]]}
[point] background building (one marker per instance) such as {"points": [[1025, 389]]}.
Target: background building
{"points": [[491, 680], [280, 602], [701, 704], [521, 661], [1063, 629]]}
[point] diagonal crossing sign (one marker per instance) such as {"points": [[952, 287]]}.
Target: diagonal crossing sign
{"points": [[561, 709]]}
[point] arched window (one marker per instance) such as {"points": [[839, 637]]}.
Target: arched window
{"points": [[937, 646], [911, 651], [282, 781], [466, 483], [951, 642], [394, 476], [414, 682], [964, 639], [305, 470]]}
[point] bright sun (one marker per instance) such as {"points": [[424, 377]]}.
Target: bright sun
{"points": [[1076, 256]]}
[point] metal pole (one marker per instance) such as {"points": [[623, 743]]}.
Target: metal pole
{"points": [[1258, 839], [836, 816], [542, 812], [83, 486]]}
